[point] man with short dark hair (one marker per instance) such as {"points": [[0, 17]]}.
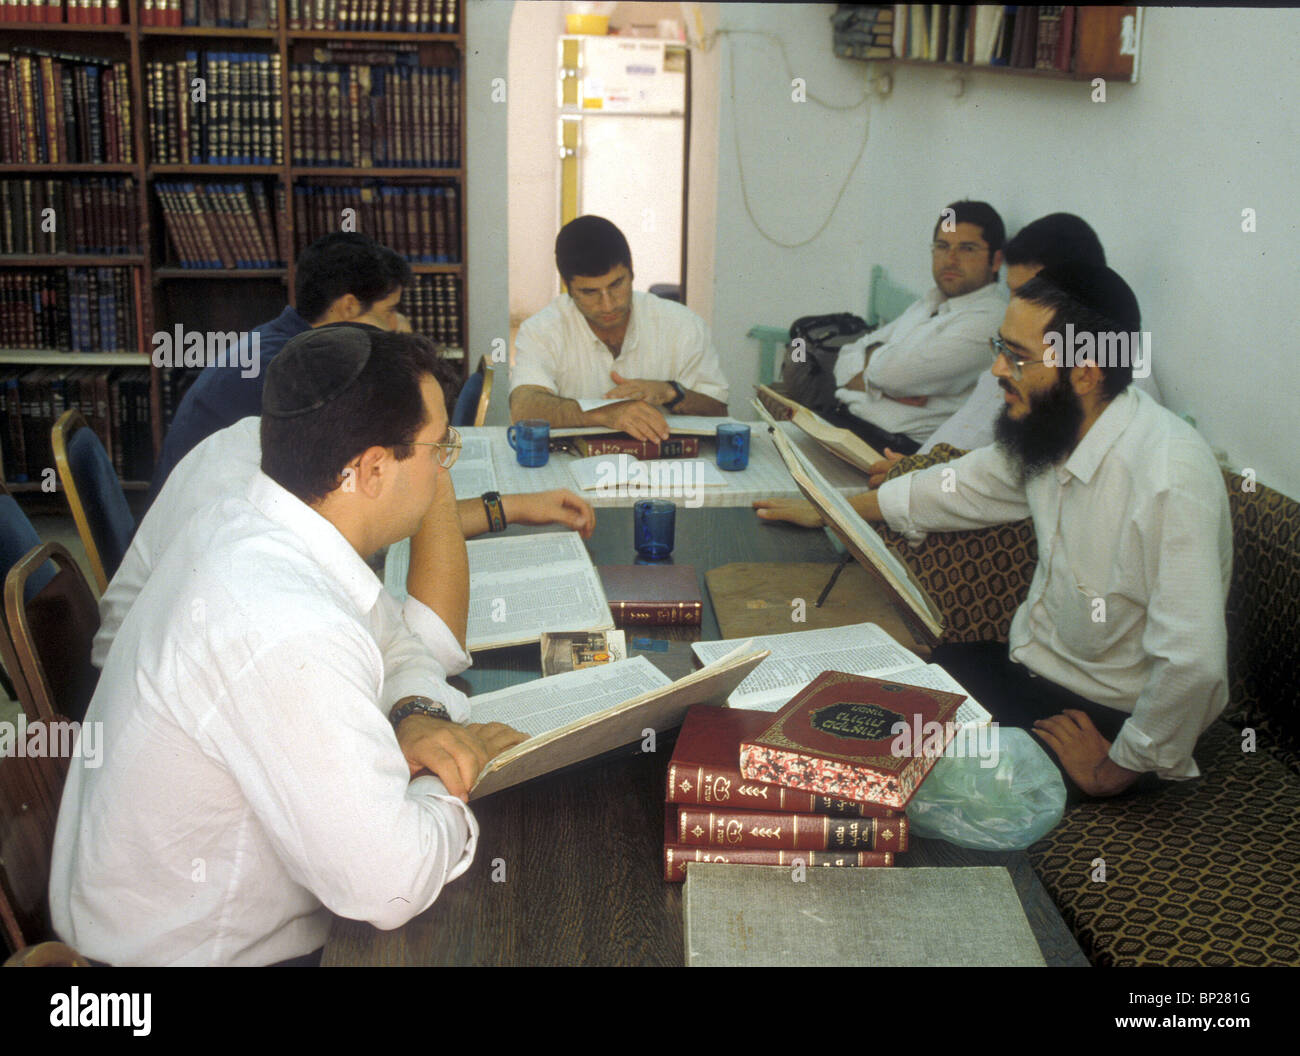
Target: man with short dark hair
{"points": [[900, 383], [601, 339], [342, 277], [1118, 655], [268, 718]]}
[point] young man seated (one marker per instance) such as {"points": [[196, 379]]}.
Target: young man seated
{"points": [[603, 340], [1118, 656], [268, 719]]}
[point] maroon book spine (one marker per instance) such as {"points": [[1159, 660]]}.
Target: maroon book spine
{"points": [[760, 829], [656, 613], [676, 447], [678, 856]]}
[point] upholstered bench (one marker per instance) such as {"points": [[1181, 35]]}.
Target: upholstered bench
{"points": [[1203, 872]]}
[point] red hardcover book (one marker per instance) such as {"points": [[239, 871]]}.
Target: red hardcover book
{"points": [[675, 447], [854, 737], [774, 831], [705, 769], [678, 856], [650, 596]]}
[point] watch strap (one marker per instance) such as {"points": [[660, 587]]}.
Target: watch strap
{"points": [[496, 512], [417, 706], [681, 395]]}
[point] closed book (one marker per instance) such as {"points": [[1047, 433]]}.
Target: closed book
{"points": [[774, 831], [674, 447], [855, 738], [705, 769], [652, 596]]}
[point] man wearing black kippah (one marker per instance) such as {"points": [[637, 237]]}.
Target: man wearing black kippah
{"points": [[278, 745], [1117, 657]]}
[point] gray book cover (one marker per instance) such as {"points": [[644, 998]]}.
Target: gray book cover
{"points": [[759, 916]]}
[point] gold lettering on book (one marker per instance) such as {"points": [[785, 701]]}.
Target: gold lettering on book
{"points": [[686, 785], [767, 832], [697, 832], [753, 790], [721, 789], [733, 832]]}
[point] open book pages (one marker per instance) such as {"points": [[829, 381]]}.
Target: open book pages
{"points": [[656, 476], [857, 535], [678, 424], [842, 442], [472, 473], [580, 714], [795, 659], [520, 586]]}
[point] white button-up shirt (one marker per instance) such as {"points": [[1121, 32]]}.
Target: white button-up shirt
{"points": [[665, 341], [221, 467], [250, 779], [937, 348], [1126, 607]]}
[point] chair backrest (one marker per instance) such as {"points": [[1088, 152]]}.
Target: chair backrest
{"points": [[98, 503], [472, 403], [485, 396], [17, 539], [52, 634], [27, 818]]}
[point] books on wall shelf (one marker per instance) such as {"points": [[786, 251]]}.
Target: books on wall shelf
{"points": [[115, 402], [376, 16], [232, 118], [374, 108], [221, 225], [432, 303], [68, 12], [62, 108], [713, 813], [216, 14], [98, 215], [420, 222], [69, 310]]}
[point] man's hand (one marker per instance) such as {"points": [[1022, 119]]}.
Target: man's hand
{"points": [[877, 471], [635, 417], [795, 511], [1084, 753], [454, 753], [655, 392], [551, 507]]}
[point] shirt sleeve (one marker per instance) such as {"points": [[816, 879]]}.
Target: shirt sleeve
{"points": [[935, 361], [698, 367], [979, 489], [321, 769], [412, 664], [429, 627], [123, 588], [536, 358], [1185, 634], [851, 360]]}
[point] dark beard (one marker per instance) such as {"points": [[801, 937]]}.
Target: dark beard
{"points": [[1047, 433]]}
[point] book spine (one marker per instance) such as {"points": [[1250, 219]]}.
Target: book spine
{"points": [[677, 447], [696, 783], [656, 613], [678, 856], [777, 831]]}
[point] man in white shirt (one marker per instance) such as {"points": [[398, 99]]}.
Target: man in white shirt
{"points": [[601, 340], [265, 707], [1118, 656], [900, 383]]}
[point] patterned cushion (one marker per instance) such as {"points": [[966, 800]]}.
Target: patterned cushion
{"points": [[977, 578], [1201, 872]]}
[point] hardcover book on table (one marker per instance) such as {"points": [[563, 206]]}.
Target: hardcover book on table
{"points": [[856, 738], [652, 596]]}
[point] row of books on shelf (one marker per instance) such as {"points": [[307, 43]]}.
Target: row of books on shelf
{"points": [[70, 310], [60, 108], [214, 108], [1021, 37], [432, 304], [382, 114], [81, 214], [422, 223], [412, 16], [72, 12], [115, 402], [220, 14], [229, 225]]}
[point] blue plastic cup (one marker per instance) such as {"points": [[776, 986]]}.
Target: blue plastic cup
{"points": [[531, 440], [653, 523], [733, 446]]}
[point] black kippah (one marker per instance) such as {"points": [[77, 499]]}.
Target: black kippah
{"points": [[1097, 288], [314, 368]]}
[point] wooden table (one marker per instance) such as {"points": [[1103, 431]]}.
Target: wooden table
{"points": [[569, 868]]}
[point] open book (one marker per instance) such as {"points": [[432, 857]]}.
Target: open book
{"points": [[858, 536], [795, 659], [842, 442], [579, 715]]}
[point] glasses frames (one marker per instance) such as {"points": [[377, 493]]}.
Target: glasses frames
{"points": [[448, 450], [1015, 360]]}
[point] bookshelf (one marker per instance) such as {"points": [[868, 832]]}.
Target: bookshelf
{"points": [[254, 277]]}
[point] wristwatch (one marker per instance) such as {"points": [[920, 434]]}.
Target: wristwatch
{"points": [[417, 706], [681, 395], [496, 512]]}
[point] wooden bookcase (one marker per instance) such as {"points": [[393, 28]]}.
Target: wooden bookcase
{"points": [[201, 298]]}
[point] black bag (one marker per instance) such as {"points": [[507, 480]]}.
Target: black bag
{"points": [[808, 370]]}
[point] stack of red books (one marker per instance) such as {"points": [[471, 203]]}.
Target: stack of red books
{"points": [[823, 781]]}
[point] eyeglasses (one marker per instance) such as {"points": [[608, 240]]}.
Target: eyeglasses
{"points": [[448, 450], [964, 249], [1014, 359]]}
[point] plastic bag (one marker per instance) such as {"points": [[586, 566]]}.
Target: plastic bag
{"points": [[991, 808]]}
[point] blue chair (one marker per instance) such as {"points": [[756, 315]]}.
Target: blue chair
{"points": [[103, 518], [472, 403], [17, 539]]}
